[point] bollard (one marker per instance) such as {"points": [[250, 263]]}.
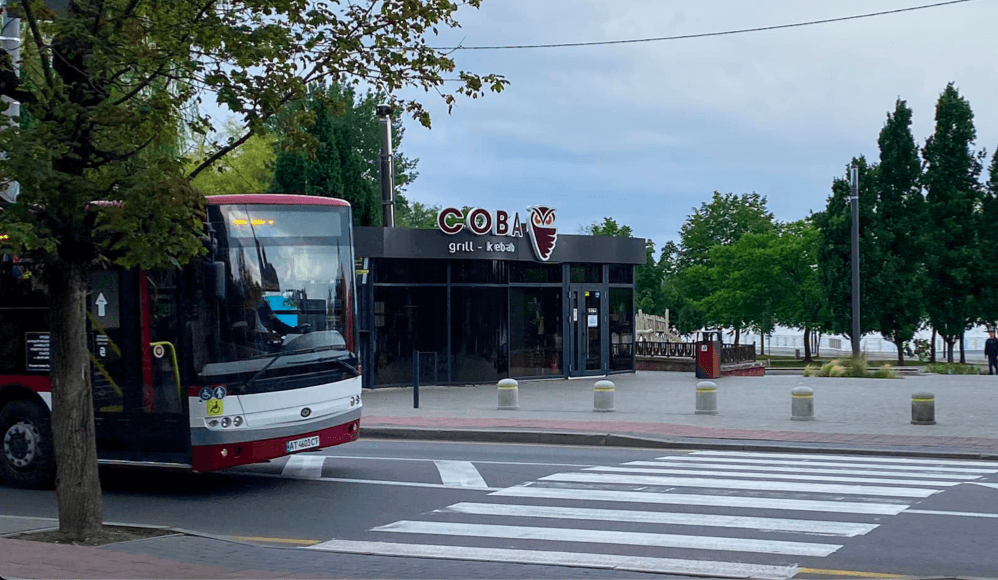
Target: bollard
{"points": [[923, 409], [802, 404], [706, 398], [509, 394], [603, 396]]}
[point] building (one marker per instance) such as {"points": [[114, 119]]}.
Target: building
{"points": [[487, 296]]}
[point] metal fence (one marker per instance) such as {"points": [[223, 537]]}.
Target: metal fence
{"points": [[729, 352]]}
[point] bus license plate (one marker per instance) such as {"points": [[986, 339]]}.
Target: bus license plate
{"points": [[300, 444]]}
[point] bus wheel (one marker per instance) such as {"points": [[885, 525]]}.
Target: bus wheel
{"points": [[26, 458]]}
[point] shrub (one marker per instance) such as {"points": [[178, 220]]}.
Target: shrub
{"points": [[849, 367], [952, 369], [886, 372]]}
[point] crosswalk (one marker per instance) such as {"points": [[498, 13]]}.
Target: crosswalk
{"points": [[712, 513]]}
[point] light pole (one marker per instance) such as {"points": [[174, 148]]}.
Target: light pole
{"points": [[387, 167], [854, 183]]}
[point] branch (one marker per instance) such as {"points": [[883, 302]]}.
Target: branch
{"points": [[36, 34], [219, 154]]}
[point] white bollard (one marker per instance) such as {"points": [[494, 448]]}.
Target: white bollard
{"points": [[706, 398], [802, 404], [603, 396], [509, 394]]}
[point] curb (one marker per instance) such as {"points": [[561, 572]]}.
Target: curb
{"points": [[626, 440]]}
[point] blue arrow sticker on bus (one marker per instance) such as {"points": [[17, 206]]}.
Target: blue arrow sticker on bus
{"points": [[205, 393]]}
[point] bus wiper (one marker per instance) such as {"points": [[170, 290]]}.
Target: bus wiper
{"points": [[260, 372], [339, 360]]}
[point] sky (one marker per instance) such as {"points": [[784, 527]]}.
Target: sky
{"points": [[644, 133]]}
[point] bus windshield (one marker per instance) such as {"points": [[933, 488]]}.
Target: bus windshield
{"points": [[285, 297]]}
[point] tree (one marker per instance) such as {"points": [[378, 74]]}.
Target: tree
{"points": [[835, 252], [247, 169], [340, 155], [988, 274], [609, 227], [899, 279], [953, 194], [721, 222], [103, 90], [419, 216]]}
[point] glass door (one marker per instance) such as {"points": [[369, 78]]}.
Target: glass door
{"points": [[588, 357]]}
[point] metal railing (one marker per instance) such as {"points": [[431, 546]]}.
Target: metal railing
{"points": [[729, 352]]}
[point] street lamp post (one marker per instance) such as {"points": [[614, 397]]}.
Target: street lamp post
{"points": [[854, 183]]}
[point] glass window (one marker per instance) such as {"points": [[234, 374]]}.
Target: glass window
{"points": [[479, 272], [621, 329], [587, 273], [479, 337], [536, 333], [409, 319], [535, 273], [621, 274], [399, 271]]}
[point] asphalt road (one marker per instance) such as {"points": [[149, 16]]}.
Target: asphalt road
{"points": [[379, 509]]}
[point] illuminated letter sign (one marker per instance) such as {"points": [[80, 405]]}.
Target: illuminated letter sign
{"points": [[479, 221], [454, 228], [501, 225]]}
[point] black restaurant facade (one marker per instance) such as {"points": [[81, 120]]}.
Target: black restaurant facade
{"points": [[487, 295]]}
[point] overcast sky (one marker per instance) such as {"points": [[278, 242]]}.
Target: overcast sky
{"points": [[645, 132]]}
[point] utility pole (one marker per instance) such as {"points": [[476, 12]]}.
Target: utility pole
{"points": [[854, 182], [10, 36], [387, 167]]}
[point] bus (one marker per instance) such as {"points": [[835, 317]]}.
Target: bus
{"points": [[247, 354]]}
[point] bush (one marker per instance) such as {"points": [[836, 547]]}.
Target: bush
{"points": [[848, 367], [952, 369]]}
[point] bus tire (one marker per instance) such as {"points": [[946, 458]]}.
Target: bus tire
{"points": [[26, 454]]}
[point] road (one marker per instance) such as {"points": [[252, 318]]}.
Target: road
{"points": [[379, 509]]}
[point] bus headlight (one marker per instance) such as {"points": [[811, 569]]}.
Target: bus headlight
{"points": [[226, 422], [237, 421]]}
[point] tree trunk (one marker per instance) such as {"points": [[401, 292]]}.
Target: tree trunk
{"points": [[932, 348], [807, 345], [78, 492], [817, 344], [963, 355], [949, 348], [738, 333], [900, 344]]}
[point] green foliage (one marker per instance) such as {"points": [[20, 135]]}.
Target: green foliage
{"points": [[609, 227], [952, 369], [721, 222], [835, 251], [953, 253], [896, 288], [339, 153], [247, 169], [418, 216]]}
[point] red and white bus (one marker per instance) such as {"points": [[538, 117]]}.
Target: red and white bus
{"points": [[247, 354]]}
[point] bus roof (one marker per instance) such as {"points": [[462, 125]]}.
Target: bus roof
{"points": [[274, 199]]}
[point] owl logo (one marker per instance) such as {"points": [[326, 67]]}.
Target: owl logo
{"points": [[543, 233]]}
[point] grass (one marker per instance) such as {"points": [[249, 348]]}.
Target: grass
{"points": [[784, 362]]}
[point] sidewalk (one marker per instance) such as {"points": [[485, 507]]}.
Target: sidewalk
{"points": [[656, 409], [653, 409]]}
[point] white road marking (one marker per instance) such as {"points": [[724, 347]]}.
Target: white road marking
{"points": [[817, 527], [304, 466], [612, 537], [459, 474], [921, 482], [374, 481], [797, 469], [740, 484], [920, 469], [571, 559], [476, 461], [704, 500], [874, 459], [944, 513]]}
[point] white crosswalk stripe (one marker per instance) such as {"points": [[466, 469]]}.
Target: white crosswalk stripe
{"points": [[681, 514]]}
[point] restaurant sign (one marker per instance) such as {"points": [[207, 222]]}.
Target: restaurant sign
{"points": [[540, 228]]}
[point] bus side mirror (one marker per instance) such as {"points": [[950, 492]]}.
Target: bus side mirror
{"points": [[214, 273]]}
